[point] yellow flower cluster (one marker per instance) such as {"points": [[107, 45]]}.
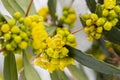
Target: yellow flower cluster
{"points": [[43, 12], [20, 32], [53, 63], [54, 55], [96, 25], [39, 35]]}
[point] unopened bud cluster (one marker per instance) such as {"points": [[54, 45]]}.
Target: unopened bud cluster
{"points": [[69, 16], [96, 25], [13, 36], [53, 53]]}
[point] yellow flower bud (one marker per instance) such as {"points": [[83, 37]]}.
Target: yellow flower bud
{"points": [[72, 17], [107, 26], [5, 28], [109, 4], [97, 36], [88, 22], [23, 45], [99, 30], [50, 52]]}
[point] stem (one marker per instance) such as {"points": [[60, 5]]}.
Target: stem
{"points": [[72, 73], [28, 9], [71, 3], [77, 31], [2, 49], [111, 50]]}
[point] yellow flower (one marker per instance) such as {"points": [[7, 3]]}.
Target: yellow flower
{"points": [[43, 12], [39, 32], [72, 17]]}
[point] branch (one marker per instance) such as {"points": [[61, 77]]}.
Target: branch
{"points": [[28, 10], [77, 31]]}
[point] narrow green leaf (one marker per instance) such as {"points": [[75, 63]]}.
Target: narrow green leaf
{"points": [[91, 5], [24, 5], [10, 70], [82, 21], [113, 35], [99, 10], [91, 62], [101, 76], [58, 75], [77, 73], [30, 72], [50, 30], [12, 6], [52, 8], [102, 45]]}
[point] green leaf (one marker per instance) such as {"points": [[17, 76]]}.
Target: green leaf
{"points": [[91, 5], [113, 35], [10, 70], [52, 8], [91, 62], [99, 10], [101, 76], [58, 75], [50, 30], [82, 21], [77, 73], [30, 72], [102, 45], [24, 5], [12, 6]]}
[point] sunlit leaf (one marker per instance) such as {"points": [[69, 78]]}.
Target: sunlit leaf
{"points": [[30, 72], [58, 75], [91, 62], [10, 70]]}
